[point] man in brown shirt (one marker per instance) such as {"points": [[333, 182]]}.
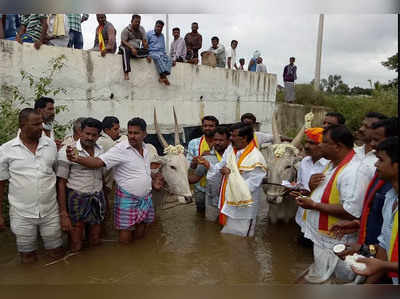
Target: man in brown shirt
{"points": [[193, 42], [105, 37]]}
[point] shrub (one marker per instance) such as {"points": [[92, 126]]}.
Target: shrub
{"points": [[352, 107]]}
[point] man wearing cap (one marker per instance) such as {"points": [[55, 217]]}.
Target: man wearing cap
{"points": [[312, 163]]}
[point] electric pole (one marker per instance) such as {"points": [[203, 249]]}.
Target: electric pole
{"points": [[317, 77]]}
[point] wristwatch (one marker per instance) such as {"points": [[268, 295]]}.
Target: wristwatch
{"points": [[372, 250], [368, 250]]}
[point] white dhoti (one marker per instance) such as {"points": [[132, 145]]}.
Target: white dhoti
{"points": [[290, 93]]}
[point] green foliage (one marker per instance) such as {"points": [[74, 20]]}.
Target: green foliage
{"points": [[392, 63], [10, 106], [383, 100]]}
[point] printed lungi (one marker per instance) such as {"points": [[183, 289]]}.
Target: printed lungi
{"points": [[86, 207], [130, 209]]}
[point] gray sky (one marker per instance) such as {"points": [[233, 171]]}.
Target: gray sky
{"points": [[353, 45]]}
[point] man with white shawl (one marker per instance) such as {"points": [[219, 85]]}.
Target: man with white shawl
{"points": [[244, 168]]}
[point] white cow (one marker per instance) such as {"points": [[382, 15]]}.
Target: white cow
{"points": [[173, 167], [282, 162]]}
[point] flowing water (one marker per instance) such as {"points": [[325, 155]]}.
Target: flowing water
{"points": [[180, 248]]}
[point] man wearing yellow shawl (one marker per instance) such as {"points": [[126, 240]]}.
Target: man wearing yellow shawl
{"points": [[244, 168], [105, 37], [332, 200], [221, 142], [199, 147]]}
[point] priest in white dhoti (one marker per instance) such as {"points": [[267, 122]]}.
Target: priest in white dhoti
{"points": [[244, 168]]}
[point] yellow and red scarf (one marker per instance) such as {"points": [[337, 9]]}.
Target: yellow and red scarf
{"points": [[255, 141], [331, 196], [248, 149], [369, 197], [102, 45], [393, 255], [203, 147]]}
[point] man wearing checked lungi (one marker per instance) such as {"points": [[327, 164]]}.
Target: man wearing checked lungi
{"points": [[133, 206], [80, 189]]}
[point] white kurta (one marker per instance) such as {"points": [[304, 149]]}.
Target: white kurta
{"points": [[243, 218], [306, 170]]}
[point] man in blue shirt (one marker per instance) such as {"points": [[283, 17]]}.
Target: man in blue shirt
{"points": [[157, 52]]}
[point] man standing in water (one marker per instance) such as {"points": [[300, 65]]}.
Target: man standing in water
{"points": [[221, 143], [243, 167], [80, 189], [198, 147], [27, 163], [133, 206]]}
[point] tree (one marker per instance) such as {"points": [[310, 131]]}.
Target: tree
{"points": [[392, 63]]}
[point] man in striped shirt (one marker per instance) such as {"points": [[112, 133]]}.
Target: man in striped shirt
{"points": [[75, 29], [33, 30]]}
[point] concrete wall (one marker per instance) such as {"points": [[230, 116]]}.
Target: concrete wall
{"points": [[95, 87], [291, 116]]}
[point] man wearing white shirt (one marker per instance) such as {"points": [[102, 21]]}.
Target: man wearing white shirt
{"points": [[133, 206], [110, 137], [27, 163], [178, 47], [332, 200], [260, 67], [243, 162], [219, 51], [312, 163], [366, 153], [232, 55], [80, 189]]}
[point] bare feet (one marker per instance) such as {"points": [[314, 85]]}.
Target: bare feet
{"points": [[164, 80], [148, 58], [126, 76]]}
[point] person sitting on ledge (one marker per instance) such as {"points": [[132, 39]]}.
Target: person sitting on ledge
{"points": [[157, 52], [104, 40]]}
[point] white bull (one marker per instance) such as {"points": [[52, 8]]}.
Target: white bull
{"points": [[282, 162], [174, 167]]}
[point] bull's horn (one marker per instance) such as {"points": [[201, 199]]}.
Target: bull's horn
{"points": [[276, 138], [299, 137], [159, 135], [177, 141]]}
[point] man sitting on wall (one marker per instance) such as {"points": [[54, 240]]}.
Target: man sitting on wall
{"points": [[105, 36], [157, 52], [133, 44]]}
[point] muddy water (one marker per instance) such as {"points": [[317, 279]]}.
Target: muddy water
{"points": [[180, 248]]}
